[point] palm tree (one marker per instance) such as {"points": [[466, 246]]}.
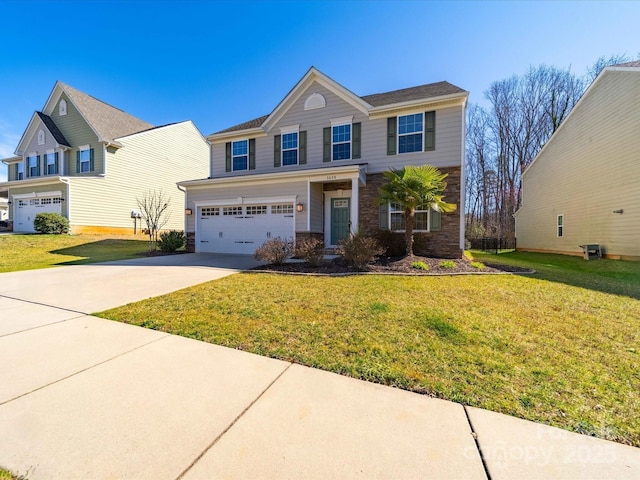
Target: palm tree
{"points": [[412, 187]]}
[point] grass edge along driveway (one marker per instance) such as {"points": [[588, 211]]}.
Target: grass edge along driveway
{"points": [[560, 347]]}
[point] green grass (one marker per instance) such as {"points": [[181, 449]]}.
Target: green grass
{"points": [[27, 252], [559, 347]]}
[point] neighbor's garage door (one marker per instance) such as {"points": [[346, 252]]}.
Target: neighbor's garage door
{"points": [[243, 228], [27, 209]]}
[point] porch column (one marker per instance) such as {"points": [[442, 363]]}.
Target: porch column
{"points": [[355, 194]]}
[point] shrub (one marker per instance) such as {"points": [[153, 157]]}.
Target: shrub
{"points": [[393, 243], [51, 223], [467, 254], [311, 250], [449, 264], [360, 250], [420, 266], [172, 240], [478, 265], [275, 251]]}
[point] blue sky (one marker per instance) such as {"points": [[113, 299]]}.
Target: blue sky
{"points": [[221, 63]]}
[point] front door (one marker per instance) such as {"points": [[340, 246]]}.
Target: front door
{"points": [[340, 219]]}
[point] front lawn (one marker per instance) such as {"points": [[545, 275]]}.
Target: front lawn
{"points": [[559, 347], [28, 252]]}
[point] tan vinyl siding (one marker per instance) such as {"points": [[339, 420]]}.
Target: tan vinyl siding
{"points": [[296, 188], [448, 152], [590, 168], [78, 133], [156, 159]]}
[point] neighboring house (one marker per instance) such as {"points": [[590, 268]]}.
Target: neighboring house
{"points": [[313, 166], [4, 209], [584, 185], [89, 161]]}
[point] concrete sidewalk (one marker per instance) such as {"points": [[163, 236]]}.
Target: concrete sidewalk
{"points": [[87, 398]]}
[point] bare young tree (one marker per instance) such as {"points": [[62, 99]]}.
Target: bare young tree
{"points": [[594, 70], [153, 208]]}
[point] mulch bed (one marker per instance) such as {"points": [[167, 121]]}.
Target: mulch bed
{"points": [[393, 265]]}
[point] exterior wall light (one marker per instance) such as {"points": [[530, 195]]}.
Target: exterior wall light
{"points": [[188, 211], [299, 207], [618, 211]]}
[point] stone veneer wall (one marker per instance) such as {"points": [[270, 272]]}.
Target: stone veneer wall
{"points": [[445, 243], [191, 242]]}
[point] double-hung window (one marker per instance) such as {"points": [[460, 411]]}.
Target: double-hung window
{"points": [[397, 223], [19, 171], [32, 166], [50, 163], [560, 226], [84, 159], [290, 148], [341, 142], [240, 155], [410, 133]]}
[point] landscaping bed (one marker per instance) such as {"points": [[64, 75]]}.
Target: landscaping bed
{"points": [[415, 265]]}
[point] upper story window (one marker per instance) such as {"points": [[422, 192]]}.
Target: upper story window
{"points": [[84, 159], [290, 148], [19, 171], [41, 137], [62, 107], [560, 226], [33, 169], [240, 155], [410, 133], [51, 163], [341, 142]]}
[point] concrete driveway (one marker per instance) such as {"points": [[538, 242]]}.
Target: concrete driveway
{"points": [[87, 398]]}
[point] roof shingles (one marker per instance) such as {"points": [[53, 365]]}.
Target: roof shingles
{"points": [[53, 129]]}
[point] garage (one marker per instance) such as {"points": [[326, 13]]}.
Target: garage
{"points": [[26, 209], [241, 229]]}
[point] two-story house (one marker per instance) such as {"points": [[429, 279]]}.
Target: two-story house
{"points": [[90, 162], [313, 166], [583, 187]]}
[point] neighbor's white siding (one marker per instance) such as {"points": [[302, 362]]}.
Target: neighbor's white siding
{"points": [[152, 160], [448, 151], [588, 169]]}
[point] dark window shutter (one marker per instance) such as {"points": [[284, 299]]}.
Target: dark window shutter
{"points": [[16, 171], [78, 161], [227, 159], [56, 170], [429, 131], [383, 216], [38, 165], [326, 144], [91, 162], [355, 140], [252, 154], [435, 222], [392, 123], [302, 148], [276, 150]]}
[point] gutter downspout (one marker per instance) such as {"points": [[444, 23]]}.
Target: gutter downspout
{"points": [[67, 182]]}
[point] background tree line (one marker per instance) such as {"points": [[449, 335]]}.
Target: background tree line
{"points": [[503, 138]]}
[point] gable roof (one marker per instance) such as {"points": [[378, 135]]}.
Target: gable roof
{"points": [[107, 122], [635, 63], [53, 129], [365, 103]]}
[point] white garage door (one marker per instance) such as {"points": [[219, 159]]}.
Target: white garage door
{"points": [[243, 228], [26, 210]]}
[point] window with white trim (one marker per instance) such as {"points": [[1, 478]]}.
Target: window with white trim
{"points": [[209, 212], [85, 159], [41, 137], [46, 201], [19, 171], [410, 133], [62, 107], [22, 203], [256, 209], [32, 165], [341, 142], [397, 223], [560, 226], [290, 148], [240, 155], [50, 163], [283, 209], [57, 200], [237, 211]]}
